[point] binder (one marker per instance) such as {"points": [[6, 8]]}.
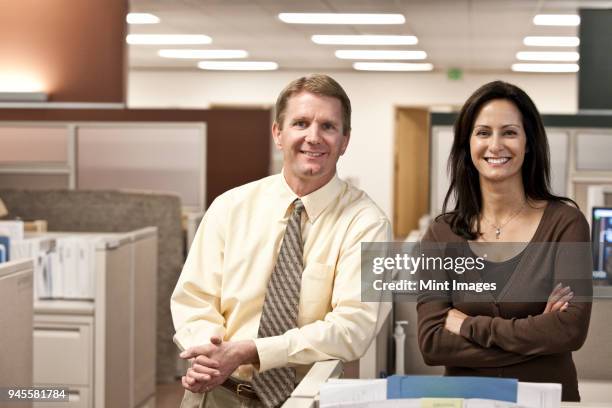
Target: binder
{"points": [[5, 248], [425, 386], [68, 257]]}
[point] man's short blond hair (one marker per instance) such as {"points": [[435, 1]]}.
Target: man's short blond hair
{"points": [[318, 84]]}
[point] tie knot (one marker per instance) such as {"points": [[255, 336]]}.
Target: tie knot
{"points": [[298, 207]]}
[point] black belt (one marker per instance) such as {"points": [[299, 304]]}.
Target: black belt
{"points": [[241, 388]]}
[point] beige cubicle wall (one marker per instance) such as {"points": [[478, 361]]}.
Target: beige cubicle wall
{"points": [[16, 321], [145, 156], [233, 135]]}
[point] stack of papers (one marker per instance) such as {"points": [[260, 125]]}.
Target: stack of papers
{"points": [[439, 392], [341, 392], [428, 403], [64, 266]]}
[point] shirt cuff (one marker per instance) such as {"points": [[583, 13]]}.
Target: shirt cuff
{"points": [[190, 336], [466, 329], [182, 339], [273, 352]]}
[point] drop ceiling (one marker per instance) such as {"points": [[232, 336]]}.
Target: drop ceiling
{"points": [[475, 36]]}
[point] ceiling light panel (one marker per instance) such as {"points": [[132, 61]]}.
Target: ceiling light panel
{"points": [[561, 56], [202, 54], [556, 20], [550, 68], [141, 18], [238, 65], [392, 66], [365, 39], [168, 39], [341, 18], [381, 54], [552, 41]]}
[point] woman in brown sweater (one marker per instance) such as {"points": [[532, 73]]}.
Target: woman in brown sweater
{"points": [[500, 183]]}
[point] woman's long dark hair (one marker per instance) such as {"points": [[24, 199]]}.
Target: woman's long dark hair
{"points": [[465, 182]]}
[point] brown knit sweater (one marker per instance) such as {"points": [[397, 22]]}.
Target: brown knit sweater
{"points": [[508, 338]]}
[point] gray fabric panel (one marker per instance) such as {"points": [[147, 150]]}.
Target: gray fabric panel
{"points": [[114, 211], [593, 359]]}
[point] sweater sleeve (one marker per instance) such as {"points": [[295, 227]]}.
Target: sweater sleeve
{"points": [[548, 333], [441, 347]]}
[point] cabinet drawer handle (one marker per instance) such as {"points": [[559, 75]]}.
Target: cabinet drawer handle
{"points": [[62, 329]]}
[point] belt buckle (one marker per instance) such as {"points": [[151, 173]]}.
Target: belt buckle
{"points": [[240, 388]]}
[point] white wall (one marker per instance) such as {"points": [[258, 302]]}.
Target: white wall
{"points": [[374, 96]]}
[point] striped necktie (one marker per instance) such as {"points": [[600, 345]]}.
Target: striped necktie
{"points": [[280, 309]]}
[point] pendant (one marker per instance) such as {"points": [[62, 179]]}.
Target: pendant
{"points": [[497, 233]]}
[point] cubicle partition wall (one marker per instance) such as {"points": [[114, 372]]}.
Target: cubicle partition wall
{"points": [[113, 211], [166, 157], [77, 148]]}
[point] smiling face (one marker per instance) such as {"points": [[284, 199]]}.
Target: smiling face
{"points": [[498, 141], [312, 139]]}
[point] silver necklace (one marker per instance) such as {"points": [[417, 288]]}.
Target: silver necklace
{"points": [[498, 228]]}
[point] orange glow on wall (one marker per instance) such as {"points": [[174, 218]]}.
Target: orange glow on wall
{"points": [[73, 51]]}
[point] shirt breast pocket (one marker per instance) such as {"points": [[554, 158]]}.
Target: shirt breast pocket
{"points": [[316, 291]]}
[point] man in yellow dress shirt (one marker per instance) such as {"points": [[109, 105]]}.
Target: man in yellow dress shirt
{"points": [[218, 300]]}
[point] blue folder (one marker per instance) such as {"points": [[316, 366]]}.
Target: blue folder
{"points": [[5, 253], [428, 386]]}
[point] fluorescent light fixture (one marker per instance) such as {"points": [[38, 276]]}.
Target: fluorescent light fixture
{"points": [[167, 39], [557, 20], [141, 18], [552, 41], [365, 39], [238, 65], [392, 66], [202, 54], [341, 18], [561, 56], [381, 54], [545, 67]]}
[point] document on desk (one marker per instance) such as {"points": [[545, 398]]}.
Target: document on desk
{"points": [[428, 403], [487, 403], [397, 403], [539, 395], [344, 393], [347, 391]]}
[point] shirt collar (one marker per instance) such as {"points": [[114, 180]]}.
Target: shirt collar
{"points": [[315, 202]]}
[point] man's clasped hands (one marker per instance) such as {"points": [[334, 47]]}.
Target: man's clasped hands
{"points": [[212, 363]]}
